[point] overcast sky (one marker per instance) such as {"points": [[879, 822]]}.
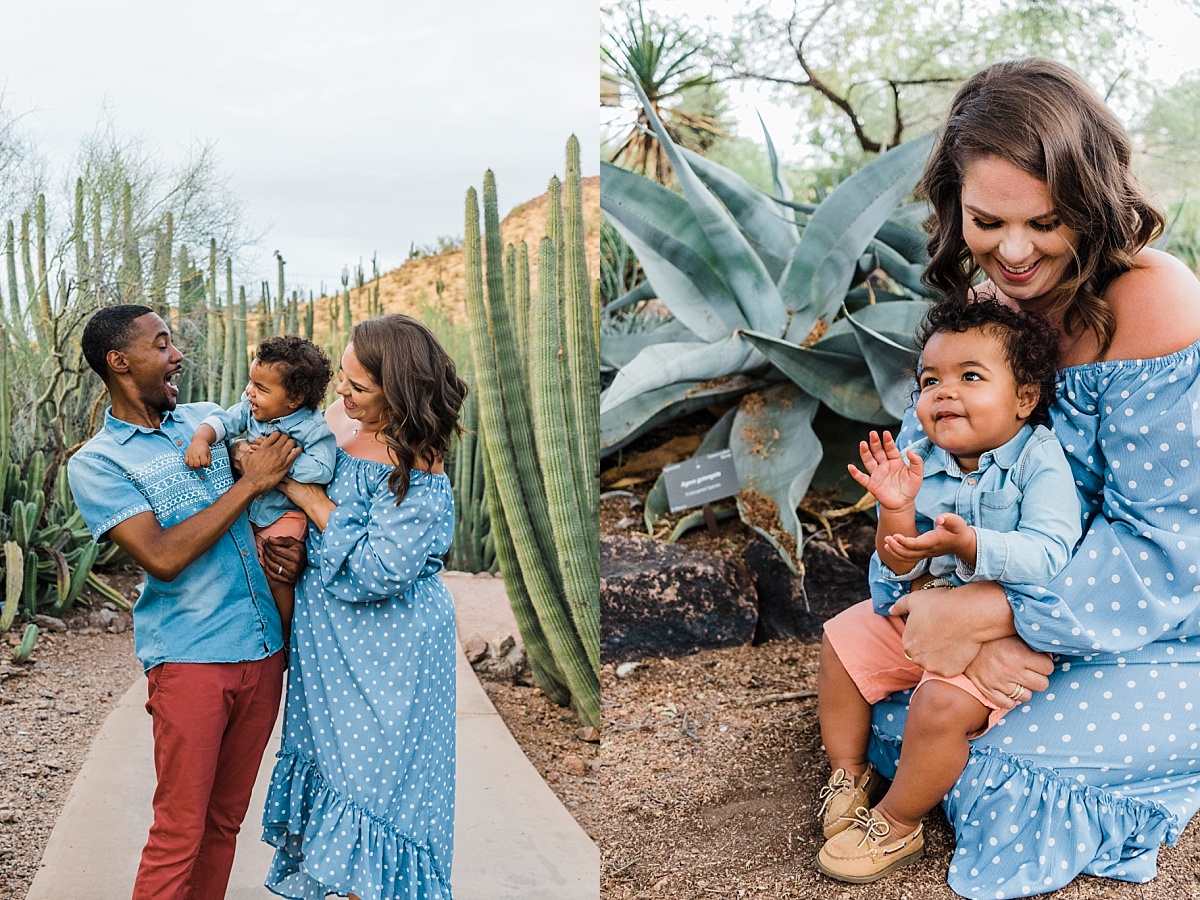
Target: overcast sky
{"points": [[346, 126]]}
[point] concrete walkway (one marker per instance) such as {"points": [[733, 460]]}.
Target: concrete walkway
{"points": [[513, 839]]}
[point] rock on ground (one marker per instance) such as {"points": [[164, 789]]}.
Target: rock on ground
{"points": [[661, 599]]}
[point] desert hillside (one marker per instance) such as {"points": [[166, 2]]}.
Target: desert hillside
{"points": [[414, 284]]}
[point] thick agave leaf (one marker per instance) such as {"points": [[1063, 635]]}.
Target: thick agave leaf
{"points": [[832, 370], [783, 190], [662, 364], [717, 439], [907, 273], [618, 350], [861, 296], [775, 452], [905, 230], [644, 291], [752, 285], [885, 337], [635, 417], [773, 237], [839, 231], [673, 250]]}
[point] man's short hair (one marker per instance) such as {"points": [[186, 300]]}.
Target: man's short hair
{"points": [[111, 328]]}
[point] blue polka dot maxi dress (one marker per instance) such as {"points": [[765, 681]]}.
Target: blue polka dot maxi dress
{"points": [[1097, 772], [362, 796]]}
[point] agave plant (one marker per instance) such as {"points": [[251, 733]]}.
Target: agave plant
{"points": [[776, 306]]}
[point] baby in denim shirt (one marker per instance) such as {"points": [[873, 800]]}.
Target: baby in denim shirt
{"points": [[288, 379], [986, 495]]}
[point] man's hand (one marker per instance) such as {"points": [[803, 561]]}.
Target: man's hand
{"points": [[199, 454], [284, 558], [270, 461], [892, 483], [951, 536]]}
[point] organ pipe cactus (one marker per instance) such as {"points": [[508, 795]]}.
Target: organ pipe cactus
{"points": [[474, 548], [528, 427]]}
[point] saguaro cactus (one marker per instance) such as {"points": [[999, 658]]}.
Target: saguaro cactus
{"points": [[544, 533]]}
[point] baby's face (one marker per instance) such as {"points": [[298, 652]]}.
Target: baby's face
{"points": [[969, 401], [268, 399]]}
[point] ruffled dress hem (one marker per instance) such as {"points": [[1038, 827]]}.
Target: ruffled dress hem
{"points": [[1062, 827], [325, 843]]}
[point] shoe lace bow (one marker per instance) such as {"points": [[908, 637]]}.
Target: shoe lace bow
{"points": [[838, 782], [872, 827]]}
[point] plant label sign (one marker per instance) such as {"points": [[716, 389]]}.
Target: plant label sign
{"points": [[700, 480]]}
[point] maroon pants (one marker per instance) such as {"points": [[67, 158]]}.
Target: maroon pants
{"points": [[211, 724]]}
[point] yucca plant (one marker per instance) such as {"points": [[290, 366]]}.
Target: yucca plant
{"points": [[777, 306]]}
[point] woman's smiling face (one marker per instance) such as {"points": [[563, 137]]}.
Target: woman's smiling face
{"points": [[1013, 230], [362, 398]]}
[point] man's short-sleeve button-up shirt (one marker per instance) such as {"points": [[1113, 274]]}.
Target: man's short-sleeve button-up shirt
{"points": [[219, 609]]}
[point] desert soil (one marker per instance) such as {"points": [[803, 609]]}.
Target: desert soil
{"points": [[710, 785]]}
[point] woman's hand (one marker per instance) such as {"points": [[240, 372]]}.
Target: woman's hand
{"points": [[933, 636], [311, 498], [1001, 666], [284, 558], [947, 626]]}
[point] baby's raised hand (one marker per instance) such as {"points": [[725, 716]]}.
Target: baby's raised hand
{"points": [[198, 456], [951, 536], [893, 483]]}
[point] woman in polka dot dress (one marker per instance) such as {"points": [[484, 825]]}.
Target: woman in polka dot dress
{"points": [[1030, 186], [362, 797]]}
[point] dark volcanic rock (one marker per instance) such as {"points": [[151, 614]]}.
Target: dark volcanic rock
{"points": [[791, 607], [660, 599]]}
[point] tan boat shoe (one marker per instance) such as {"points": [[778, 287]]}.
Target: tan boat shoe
{"points": [[862, 853], [843, 795]]}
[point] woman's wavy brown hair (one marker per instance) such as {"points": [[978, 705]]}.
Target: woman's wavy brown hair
{"points": [[1045, 119], [421, 386]]}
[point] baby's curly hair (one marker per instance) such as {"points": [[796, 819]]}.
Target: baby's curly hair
{"points": [[304, 369], [1029, 340]]}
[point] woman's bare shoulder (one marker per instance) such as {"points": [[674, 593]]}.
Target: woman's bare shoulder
{"points": [[339, 423], [1156, 306]]}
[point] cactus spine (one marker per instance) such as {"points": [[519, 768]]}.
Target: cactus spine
{"points": [[560, 624]]}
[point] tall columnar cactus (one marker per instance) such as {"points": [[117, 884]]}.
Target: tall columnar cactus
{"points": [[78, 235], [212, 334], [542, 536], [43, 282], [310, 316], [229, 358], [243, 344], [473, 549], [130, 273], [281, 297], [15, 317], [31, 292]]}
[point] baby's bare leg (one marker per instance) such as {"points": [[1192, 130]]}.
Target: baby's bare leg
{"points": [[844, 714], [934, 752], [284, 594]]}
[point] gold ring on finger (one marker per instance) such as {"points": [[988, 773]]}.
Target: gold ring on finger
{"points": [[1017, 692]]}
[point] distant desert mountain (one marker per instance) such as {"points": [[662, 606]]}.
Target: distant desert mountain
{"points": [[415, 282]]}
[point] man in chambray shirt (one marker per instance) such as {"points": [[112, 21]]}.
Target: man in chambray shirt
{"points": [[205, 627]]}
